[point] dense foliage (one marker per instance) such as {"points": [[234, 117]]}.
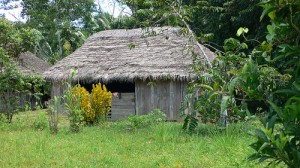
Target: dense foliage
{"points": [[250, 75], [256, 73], [210, 19], [281, 142], [14, 84], [63, 24], [15, 39], [142, 121]]}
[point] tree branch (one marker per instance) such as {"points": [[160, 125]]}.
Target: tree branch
{"points": [[193, 36]]}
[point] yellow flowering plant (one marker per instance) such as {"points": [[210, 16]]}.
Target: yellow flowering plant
{"points": [[85, 103], [94, 106], [101, 101]]}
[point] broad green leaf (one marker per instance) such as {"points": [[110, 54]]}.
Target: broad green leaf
{"points": [[266, 11], [272, 15], [261, 135], [262, 147], [240, 31], [271, 122]]}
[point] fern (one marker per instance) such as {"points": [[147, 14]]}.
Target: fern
{"points": [[190, 123]]}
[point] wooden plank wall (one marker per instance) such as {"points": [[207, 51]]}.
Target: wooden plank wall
{"points": [[165, 95], [24, 99], [122, 106]]}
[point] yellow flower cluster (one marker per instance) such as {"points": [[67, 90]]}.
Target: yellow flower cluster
{"points": [[85, 103], [94, 106], [101, 100]]}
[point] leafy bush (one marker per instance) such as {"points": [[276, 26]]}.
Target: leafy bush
{"points": [[135, 121], [156, 116], [141, 121], [281, 144], [238, 86], [11, 83], [211, 99], [282, 50], [15, 40]]}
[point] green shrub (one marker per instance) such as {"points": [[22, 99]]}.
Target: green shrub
{"points": [[156, 116], [280, 142], [135, 121], [151, 118], [72, 103]]}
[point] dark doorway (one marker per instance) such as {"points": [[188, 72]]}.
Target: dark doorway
{"points": [[121, 87]]}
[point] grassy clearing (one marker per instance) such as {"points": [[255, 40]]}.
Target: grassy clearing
{"points": [[112, 145]]}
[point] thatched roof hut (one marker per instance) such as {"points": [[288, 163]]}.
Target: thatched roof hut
{"points": [[128, 55], [29, 64], [135, 56]]}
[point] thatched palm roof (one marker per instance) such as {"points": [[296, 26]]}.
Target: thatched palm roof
{"points": [[29, 64], [127, 55]]}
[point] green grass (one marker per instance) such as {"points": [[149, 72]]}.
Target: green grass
{"points": [[112, 145]]}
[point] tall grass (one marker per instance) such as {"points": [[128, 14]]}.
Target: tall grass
{"points": [[111, 145]]}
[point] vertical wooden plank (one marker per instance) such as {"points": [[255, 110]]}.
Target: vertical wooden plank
{"points": [[171, 101], [175, 100], [143, 94], [180, 97], [136, 90], [152, 96], [142, 100], [166, 95]]}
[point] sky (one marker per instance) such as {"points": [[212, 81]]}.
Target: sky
{"points": [[106, 5]]}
